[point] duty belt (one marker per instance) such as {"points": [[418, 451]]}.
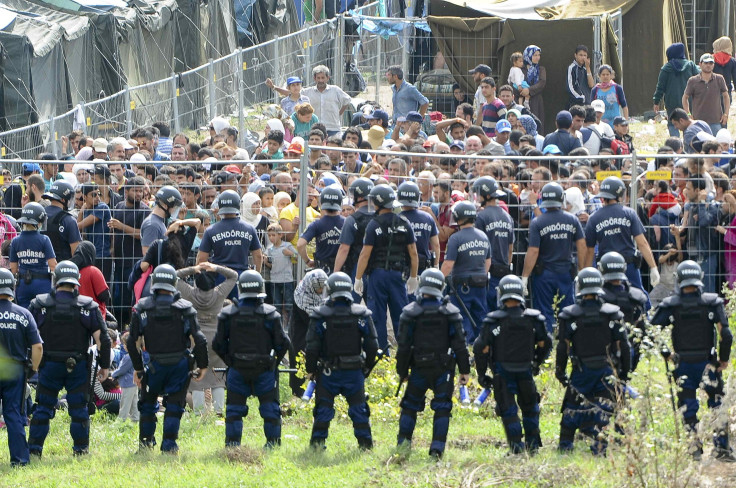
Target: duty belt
{"points": [[169, 358], [61, 356]]}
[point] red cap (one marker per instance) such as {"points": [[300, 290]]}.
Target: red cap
{"points": [[231, 168]]}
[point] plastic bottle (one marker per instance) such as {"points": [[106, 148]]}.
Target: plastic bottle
{"points": [[309, 391], [482, 397]]}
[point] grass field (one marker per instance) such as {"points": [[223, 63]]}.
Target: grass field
{"points": [[476, 453]]}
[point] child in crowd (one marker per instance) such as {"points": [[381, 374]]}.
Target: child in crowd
{"points": [[516, 77], [274, 140], [293, 91], [124, 376], [668, 261], [278, 261], [303, 118], [266, 194]]}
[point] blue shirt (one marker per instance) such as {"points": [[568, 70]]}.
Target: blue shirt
{"points": [[424, 228], [613, 228], [406, 99], [499, 228], [555, 234], [468, 248], [152, 228], [230, 242], [350, 228], [563, 140], [100, 234], [31, 250], [18, 331], [326, 230], [288, 105]]}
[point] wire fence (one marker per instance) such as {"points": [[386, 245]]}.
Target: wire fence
{"points": [[666, 227]]}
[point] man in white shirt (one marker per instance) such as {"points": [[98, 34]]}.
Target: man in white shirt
{"points": [[329, 101]]}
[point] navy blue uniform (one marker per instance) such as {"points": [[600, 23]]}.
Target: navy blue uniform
{"points": [[555, 234], [692, 317], [512, 336], [353, 233], [498, 226], [252, 342], [596, 336], [31, 250], [613, 228], [385, 273], [431, 342], [469, 249], [339, 333], [18, 332], [61, 227], [326, 231], [167, 324], [424, 227], [229, 243], [67, 323], [632, 302]]}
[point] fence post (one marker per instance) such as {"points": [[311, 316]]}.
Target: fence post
{"points": [[378, 67], [241, 96], [276, 75], [211, 88], [634, 179], [175, 103], [303, 191], [52, 134], [308, 54], [339, 67], [128, 113], [406, 37]]}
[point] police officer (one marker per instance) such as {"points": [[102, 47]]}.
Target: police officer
{"points": [[168, 204], [592, 335], [553, 238], [616, 228], [325, 230], [696, 318], [498, 226], [18, 333], [61, 226], [431, 342], [389, 251], [467, 260], [353, 231], [67, 321], [31, 256], [341, 349], [632, 301], [231, 241], [252, 342], [514, 342], [423, 225], [167, 324]]}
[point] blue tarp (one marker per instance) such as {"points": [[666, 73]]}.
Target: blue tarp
{"points": [[385, 28]]}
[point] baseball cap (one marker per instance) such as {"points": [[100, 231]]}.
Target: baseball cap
{"points": [[31, 167], [375, 136], [401, 119], [598, 105], [503, 125], [707, 58], [414, 116], [620, 121], [295, 147], [293, 79], [723, 136], [123, 142], [100, 145], [481, 68], [458, 144], [378, 114], [551, 149], [102, 170], [563, 115], [231, 168]]}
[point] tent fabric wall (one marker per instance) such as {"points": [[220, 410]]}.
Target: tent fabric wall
{"points": [[19, 102], [457, 38]]}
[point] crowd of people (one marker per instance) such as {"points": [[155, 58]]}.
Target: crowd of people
{"points": [[194, 245]]}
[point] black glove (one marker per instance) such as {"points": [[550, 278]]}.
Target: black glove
{"points": [[666, 353], [486, 381], [535, 368], [562, 377]]}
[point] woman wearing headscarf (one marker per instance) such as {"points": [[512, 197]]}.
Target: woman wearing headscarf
{"points": [[672, 81], [536, 76], [725, 63], [250, 211], [208, 300], [530, 127]]}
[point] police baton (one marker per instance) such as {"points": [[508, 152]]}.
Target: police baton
{"points": [[453, 291], [666, 353]]}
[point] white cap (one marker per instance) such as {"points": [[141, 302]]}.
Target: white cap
{"points": [[219, 123], [723, 136], [138, 158], [100, 145], [123, 142], [598, 105]]}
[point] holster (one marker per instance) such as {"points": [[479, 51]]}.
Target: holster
{"points": [[538, 268], [499, 270]]}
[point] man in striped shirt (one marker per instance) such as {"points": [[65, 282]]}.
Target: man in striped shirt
{"points": [[493, 110]]}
